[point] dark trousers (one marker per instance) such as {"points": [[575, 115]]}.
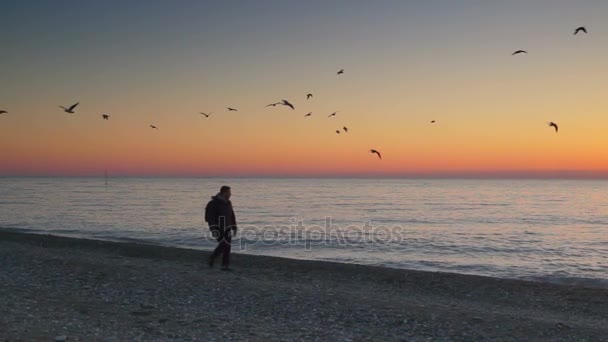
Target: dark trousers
{"points": [[224, 239]]}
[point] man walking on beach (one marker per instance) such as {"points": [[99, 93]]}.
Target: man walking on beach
{"points": [[222, 223]]}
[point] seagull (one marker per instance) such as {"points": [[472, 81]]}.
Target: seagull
{"points": [[580, 29], [337, 131], [308, 96], [206, 115], [71, 109], [273, 104], [376, 152], [105, 116], [286, 103], [231, 109], [341, 72], [518, 52], [309, 114], [332, 114], [345, 129], [3, 112], [154, 127], [554, 125]]}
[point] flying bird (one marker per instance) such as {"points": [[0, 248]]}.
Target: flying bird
{"points": [[308, 96], [3, 112], [286, 103], [554, 125], [345, 129], [273, 104], [231, 109], [580, 29], [154, 127], [309, 114], [341, 72], [376, 152], [337, 131], [519, 52], [432, 121], [206, 115], [71, 109], [105, 116], [332, 114]]}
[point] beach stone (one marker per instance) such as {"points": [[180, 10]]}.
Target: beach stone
{"points": [[477, 320], [409, 321]]}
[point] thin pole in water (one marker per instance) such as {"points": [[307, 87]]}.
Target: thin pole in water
{"points": [[106, 174]]}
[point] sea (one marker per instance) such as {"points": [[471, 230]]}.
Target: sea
{"points": [[542, 230]]}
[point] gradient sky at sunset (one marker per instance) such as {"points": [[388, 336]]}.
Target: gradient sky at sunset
{"points": [[406, 63]]}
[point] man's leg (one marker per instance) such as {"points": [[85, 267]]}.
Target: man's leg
{"points": [[227, 246], [219, 248]]}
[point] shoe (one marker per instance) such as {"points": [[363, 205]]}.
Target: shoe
{"points": [[211, 260]]}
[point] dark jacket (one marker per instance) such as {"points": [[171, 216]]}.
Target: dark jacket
{"points": [[220, 215]]}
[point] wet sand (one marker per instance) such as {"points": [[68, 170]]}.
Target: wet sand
{"points": [[85, 290]]}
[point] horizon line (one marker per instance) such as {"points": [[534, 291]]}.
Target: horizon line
{"points": [[518, 174]]}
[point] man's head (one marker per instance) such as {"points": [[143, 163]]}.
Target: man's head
{"points": [[225, 192]]}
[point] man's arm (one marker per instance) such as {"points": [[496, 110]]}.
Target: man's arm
{"points": [[234, 227], [211, 214]]}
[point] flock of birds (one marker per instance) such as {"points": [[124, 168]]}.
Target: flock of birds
{"points": [[71, 109], [518, 52]]}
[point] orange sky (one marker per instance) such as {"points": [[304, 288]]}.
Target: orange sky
{"points": [[491, 108]]}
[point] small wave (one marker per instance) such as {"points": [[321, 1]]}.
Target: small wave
{"points": [[126, 239], [569, 280], [18, 229], [592, 222]]}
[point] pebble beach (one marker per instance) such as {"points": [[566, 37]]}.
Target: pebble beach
{"points": [[68, 289]]}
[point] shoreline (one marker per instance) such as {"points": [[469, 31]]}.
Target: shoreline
{"points": [[135, 243], [92, 289]]}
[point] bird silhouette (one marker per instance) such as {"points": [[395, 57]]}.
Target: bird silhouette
{"points": [[273, 104], [432, 121], [345, 129], [206, 115], [341, 72], [332, 114], [376, 152], [308, 96], [554, 125], [105, 116], [231, 109], [286, 103], [3, 112], [154, 127], [580, 29], [309, 114], [71, 109], [337, 131], [519, 52]]}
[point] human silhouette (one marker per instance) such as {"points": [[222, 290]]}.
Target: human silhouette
{"points": [[222, 223]]}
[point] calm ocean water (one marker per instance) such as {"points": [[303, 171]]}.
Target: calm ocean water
{"points": [[551, 230]]}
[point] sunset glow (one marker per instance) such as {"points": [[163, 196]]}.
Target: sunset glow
{"points": [[406, 63]]}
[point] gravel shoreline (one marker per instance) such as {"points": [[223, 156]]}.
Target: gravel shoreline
{"points": [[87, 290]]}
